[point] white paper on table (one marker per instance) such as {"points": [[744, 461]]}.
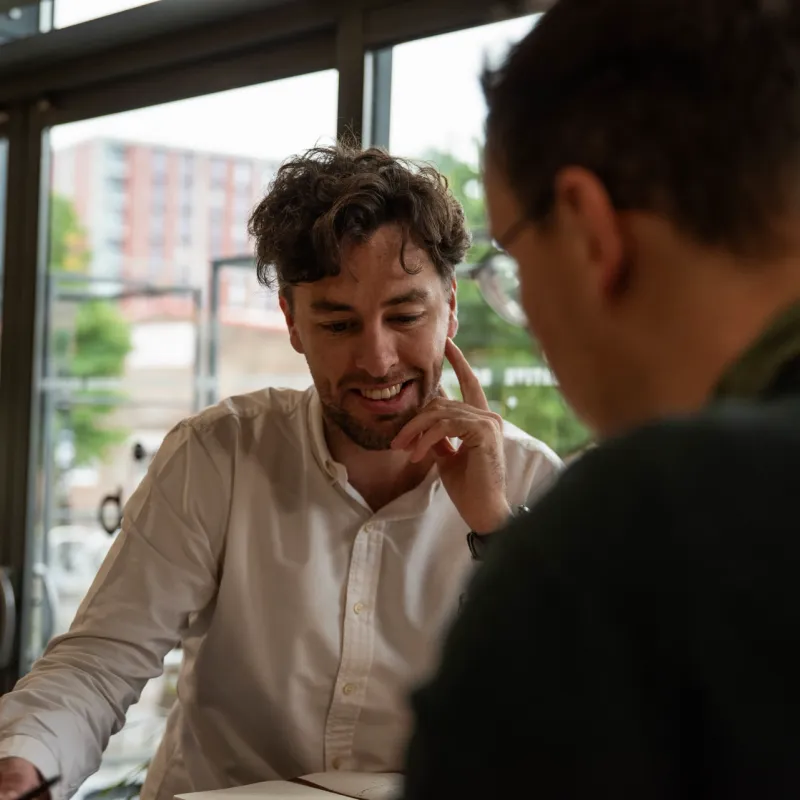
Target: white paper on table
{"points": [[270, 790], [361, 785]]}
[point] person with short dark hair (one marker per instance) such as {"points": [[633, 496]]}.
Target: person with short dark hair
{"points": [[306, 548], [637, 634]]}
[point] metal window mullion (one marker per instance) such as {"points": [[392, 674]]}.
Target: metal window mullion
{"points": [[378, 98], [20, 354], [350, 64]]}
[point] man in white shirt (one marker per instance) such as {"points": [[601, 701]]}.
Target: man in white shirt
{"points": [[306, 549]]}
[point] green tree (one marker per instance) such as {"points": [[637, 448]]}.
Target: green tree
{"points": [[68, 249], [489, 342], [93, 345]]}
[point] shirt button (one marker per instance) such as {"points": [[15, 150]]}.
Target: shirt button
{"points": [[358, 608], [348, 688], [369, 527], [337, 763]]}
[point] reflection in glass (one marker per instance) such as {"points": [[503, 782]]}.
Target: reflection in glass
{"points": [[19, 20]]}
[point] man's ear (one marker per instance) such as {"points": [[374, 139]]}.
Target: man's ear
{"points": [[452, 323], [585, 207], [285, 302]]}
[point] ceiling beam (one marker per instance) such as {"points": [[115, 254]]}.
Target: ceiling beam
{"points": [[253, 66], [153, 37], [168, 37], [405, 20]]}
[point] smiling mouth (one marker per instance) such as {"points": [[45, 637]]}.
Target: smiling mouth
{"points": [[386, 393]]}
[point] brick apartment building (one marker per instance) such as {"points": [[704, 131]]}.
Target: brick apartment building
{"points": [[157, 217]]}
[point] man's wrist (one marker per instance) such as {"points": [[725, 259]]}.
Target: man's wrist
{"points": [[34, 752], [478, 542], [494, 522]]}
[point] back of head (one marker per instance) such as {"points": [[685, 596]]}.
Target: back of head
{"points": [[686, 108]]}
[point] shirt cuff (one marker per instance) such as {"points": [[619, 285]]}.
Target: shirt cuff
{"points": [[40, 756]]}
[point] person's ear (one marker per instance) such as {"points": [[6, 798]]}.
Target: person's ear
{"points": [[584, 208], [285, 302], [452, 301]]}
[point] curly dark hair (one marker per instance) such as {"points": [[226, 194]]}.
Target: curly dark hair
{"points": [[686, 108], [329, 195]]}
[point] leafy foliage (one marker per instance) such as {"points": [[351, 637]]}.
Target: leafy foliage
{"points": [[94, 346], [489, 342]]}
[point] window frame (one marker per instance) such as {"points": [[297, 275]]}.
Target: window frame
{"points": [[105, 66]]}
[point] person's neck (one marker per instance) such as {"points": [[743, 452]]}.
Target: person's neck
{"points": [[379, 476], [706, 330]]}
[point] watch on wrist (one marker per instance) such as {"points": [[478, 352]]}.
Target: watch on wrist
{"points": [[478, 543]]}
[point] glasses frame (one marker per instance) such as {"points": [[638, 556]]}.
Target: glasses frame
{"points": [[484, 273]]}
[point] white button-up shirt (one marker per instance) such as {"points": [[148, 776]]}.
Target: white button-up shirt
{"points": [[305, 618]]}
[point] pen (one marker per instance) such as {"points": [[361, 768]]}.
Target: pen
{"points": [[40, 789]]}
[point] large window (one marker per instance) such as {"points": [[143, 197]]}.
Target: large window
{"points": [[124, 358], [438, 115]]}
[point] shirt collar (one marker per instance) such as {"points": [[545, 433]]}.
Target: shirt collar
{"points": [[408, 505], [757, 371], [319, 445]]}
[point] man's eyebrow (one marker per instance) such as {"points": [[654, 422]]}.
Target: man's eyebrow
{"points": [[333, 306], [414, 296], [330, 305]]}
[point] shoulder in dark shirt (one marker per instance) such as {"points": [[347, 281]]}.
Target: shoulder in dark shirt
{"points": [[637, 634]]}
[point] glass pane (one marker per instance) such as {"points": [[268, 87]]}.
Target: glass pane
{"points": [[72, 12], [23, 19], [142, 204], [450, 100], [251, 324]]}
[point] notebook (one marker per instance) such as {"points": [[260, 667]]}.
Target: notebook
{"points": [[320, 786]]}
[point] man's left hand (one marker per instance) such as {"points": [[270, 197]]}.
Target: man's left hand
{"points": [[474, 474]]}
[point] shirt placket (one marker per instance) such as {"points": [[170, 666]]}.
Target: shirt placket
{"points": [[358, 638]]}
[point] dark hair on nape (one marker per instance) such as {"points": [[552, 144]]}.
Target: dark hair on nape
{"points": [[686, 108], [327, 196]]}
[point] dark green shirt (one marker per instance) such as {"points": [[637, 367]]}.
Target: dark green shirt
{"points": [[761, 369], [637, 635]]}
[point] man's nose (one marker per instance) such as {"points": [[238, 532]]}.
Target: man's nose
{"points": [[376, 353]]}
